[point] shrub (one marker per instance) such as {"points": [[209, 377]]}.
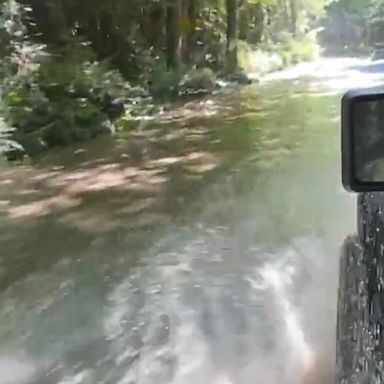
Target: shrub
{"points": [[164, 83], [286, 50], [301, 48], [61, 102], [198, 80]]}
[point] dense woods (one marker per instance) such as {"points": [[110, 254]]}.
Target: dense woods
{"points": [[73, 69], [353, 26]]}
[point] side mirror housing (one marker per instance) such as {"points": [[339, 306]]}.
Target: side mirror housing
{"points": [[362, 120]]}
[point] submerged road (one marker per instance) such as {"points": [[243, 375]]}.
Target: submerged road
{"points": [[201, 249]]}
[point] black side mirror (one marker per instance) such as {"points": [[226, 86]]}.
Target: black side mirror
{"points": [[363, 140]]}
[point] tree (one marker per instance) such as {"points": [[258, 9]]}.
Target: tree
{"points": [[189, 26], [232, 34], [173, 33], [93, 50], [354, 24], [293, 16]]}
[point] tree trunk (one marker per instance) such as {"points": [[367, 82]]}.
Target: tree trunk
{"points": [[173, 33], [232, 32], [244, 21], [50, 20], [190, 32], [293, 14], [152, 25]]}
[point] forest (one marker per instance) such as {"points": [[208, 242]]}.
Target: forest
{"points": [[354, 26], [72, 70]]}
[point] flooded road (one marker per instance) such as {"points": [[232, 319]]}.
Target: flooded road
{"points": [[202, 248]]}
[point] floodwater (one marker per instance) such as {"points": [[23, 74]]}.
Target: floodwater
{"points": [[201, 248]]}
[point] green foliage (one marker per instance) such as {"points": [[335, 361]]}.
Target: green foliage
{"points": [[171, 83], [211, 38], [164, 82], [353, 26], [61, 101], [62, 59], [198, 80], [271, 56], [302, 48]]}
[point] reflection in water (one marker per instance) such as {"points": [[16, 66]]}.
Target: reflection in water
{"points": [[208, 256]]}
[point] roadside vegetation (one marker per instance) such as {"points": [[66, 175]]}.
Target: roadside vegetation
{"points": [[354, 27], [72, 70]]}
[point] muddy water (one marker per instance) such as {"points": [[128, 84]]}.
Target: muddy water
{"points": [[202, 248]]}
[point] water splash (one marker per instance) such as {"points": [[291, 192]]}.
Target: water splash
{"points": [[174, 322]]}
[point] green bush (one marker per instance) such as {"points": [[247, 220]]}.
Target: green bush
{"points": [[164, 83], [274, 55], [302, 48], [61, 102]]}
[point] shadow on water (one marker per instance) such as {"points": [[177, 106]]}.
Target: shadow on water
{"points": [[200, 248], [126, 187]]}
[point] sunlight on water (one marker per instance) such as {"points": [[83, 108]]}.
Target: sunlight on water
{"points": [[337, 74]]}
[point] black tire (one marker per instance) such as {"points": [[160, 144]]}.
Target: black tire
{"points": [[355, 348]]}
